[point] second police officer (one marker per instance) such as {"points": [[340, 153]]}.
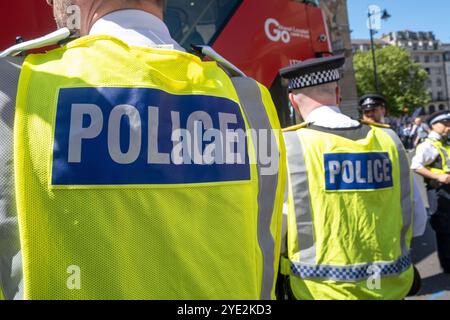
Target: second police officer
{"points": [[372, 108], [432, 162], [350, 201]]}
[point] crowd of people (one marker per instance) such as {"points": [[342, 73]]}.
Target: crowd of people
{"points": [[411, 131]]}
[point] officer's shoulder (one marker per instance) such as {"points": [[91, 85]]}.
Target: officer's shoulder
{"points": [[426, 147], [376, 124], [296, 127]]}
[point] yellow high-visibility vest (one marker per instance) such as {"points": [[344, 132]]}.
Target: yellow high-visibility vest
{"points": [[117, 196], [440, 165], [350, 214]]}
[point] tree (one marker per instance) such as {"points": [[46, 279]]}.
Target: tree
{"points": [[401, 80]]}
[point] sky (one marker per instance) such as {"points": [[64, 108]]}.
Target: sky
{"points": [[414, 15]]}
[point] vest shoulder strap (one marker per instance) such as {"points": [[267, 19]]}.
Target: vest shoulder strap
{"points": [[435, 143], [224, 63], [352, 133]]}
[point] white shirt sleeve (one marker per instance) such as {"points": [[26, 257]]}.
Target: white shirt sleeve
{"points": [[420, 213], [425, 154]]}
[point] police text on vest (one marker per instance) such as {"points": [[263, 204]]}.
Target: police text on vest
{"points": [[357, 171], [129, 136]]}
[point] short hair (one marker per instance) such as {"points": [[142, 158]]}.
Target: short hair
{"points": [[328, 89]]}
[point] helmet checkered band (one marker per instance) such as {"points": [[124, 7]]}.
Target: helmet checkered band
{"points": [[313, 79], [352, 273], [442, 117]]}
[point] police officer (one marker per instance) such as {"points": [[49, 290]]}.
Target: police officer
{"points": [[134, 180], [373, 108], [350, 204], [432, 162]]}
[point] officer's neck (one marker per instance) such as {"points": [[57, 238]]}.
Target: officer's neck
{"points": [[320, 109], [306, 109], [135, 27], [99, 9]]}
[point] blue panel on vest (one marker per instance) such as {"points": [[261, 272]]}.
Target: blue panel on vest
{"points": [[140, 136], [357, 171]]}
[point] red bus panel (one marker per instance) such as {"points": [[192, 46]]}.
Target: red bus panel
{"points": [[263, 37], [29, 19]]}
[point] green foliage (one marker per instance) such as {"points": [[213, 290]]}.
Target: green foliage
{"points": [[401, 80]]}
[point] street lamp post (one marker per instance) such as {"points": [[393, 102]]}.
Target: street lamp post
{"points": [[385, 15], [375, 74]]}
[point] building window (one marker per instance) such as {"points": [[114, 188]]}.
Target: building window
{"points": [[431, 109], [440, 96], [427, 59], [194, 22], [437, 59], [441, 107], [427, 69], [439, 82], [416, 59]]}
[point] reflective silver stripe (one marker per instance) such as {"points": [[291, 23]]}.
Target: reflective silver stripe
{"points": [[405, 189], [10, 268], [351, 273], [251, 101], [302, 203]]}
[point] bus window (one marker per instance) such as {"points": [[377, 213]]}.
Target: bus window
{"points": [[198, 21]]}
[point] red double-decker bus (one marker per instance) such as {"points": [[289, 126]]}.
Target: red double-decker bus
{"points": [[258, 36]]}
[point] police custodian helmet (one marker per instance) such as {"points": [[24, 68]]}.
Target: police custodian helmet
{"points": [[313, 72], [371, 101], [440, 116]]}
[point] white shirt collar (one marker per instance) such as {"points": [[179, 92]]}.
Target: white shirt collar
{"points": [[330, 117], [135, 27], [434, 135]]}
